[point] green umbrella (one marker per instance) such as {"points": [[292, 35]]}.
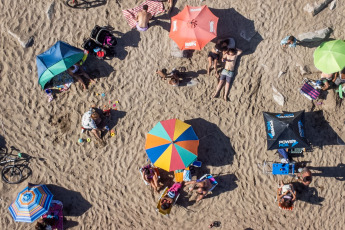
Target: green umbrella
{"points": [[329, 57]]}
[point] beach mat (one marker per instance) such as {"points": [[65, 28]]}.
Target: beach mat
{"points": [[155, 8]]}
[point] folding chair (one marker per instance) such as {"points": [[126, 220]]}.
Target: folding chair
{"points": [[166, 211], [148, 166], [212, 180]]}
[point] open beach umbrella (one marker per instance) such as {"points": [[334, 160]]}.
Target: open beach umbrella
{"points": [[329, 57], [193, 27], [57, 59], [285, 130], [31, 203], [172, 145]]}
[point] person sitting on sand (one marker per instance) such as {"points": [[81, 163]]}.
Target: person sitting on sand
{"points": [[174, 76], [290, 41], [92, 120], [77, 72], [201, 188], [229, 57], [45, 223], [169, 198], [143, 19], [150, 176], [286, 195], [327, 80], [304, 176]]}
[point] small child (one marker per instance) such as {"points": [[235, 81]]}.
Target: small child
{"points": [[289, 41], [174, 76]]}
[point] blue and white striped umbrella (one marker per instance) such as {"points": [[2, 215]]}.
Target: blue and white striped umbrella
{"points": [[31, 203]]}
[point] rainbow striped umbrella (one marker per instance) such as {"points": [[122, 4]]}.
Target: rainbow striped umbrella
{"points": [[31, 203], [172, 145]]}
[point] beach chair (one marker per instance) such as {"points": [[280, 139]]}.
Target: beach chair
{"points": [[166, 211], [284, 208], [212, 180], [148, 166], [309, 89], [55, 211]]}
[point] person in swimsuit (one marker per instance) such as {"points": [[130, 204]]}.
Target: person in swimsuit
{"points": [[150, 175], [286, 195], [143, 19], [201, 188], [304, 176], [174, 76], [169, 198], [229, 57], [214, 54], [77, 72]]}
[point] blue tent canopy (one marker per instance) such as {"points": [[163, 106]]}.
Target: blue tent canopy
{"points": [[57, 59]]}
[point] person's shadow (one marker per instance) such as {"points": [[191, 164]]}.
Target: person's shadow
{"points": [[97, 68], [215, 148], [338, 172], [313, 44], [307, 194]]}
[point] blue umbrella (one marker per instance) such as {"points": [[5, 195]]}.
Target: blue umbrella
{"points": [[57, 59], [31, 203]]}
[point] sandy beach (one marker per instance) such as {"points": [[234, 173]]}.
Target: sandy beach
{"points": [[101, 188]]}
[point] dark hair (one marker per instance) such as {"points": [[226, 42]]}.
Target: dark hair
{"points": [[43, 223], [218, 47], [165, 206], [291, 38], [286, 203], [145, 7], [232, 50], [147, 171], [307, 179]]}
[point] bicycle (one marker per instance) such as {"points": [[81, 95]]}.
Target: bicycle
{"points": [[84, 4], [11, 174]]}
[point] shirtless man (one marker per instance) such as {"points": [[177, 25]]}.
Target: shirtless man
{"points": [[229, 57], [143, 18], [305, 176], [202, 187]]}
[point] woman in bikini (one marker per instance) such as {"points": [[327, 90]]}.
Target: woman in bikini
{"points": [[201, 188], [169, 198], [286, 195], [150, 175]]}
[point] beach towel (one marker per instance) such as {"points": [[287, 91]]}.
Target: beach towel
{"points": [[61, 82], [154, 8], [310, 91]]}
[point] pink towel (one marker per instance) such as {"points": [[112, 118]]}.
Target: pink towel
{"points": [[154, 8]]}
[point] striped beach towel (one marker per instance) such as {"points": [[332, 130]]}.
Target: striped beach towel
{"points": [[310, 91], [154, 8]]}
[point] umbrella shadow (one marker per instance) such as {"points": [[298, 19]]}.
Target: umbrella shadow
{"points": [[73, 202], [214, 147], [129, 39], [97, 68], [69, 223], [307, 194], [337, 172], [233, 24], [318, 130]]}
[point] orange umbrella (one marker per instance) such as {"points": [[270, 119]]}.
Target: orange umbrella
{"points": [[193, 27]]}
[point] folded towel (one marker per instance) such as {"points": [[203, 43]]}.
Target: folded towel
{"points": [[154, 8]]}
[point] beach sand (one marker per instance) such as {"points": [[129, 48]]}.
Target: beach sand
{"points": [[101, 188]]}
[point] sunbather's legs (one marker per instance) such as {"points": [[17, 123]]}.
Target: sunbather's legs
{"points": [[80, 80], [219, 87], [227, 87], [97, 134], [209, 65], [215, 62], [87, 76], [155, 182]]}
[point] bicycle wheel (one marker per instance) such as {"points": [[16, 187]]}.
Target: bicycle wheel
{"points": [[11, 174]]}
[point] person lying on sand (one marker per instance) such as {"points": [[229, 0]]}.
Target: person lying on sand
{"points": [[201, 188], [214, 54], [286, 195], [77, 72], [169, 198], [174, 76], [229, 57], [92, 120], [150, 175], [143, 19]]}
